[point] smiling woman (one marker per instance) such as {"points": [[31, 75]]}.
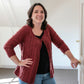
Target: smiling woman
{"points": [[35, 38]]}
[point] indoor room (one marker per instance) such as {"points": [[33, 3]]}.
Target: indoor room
{"points": [[65, 19]]}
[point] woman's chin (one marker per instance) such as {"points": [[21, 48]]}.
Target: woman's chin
{"points": [[39, 22]]}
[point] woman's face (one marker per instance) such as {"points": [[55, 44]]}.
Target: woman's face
{"points": [[38, 15]]}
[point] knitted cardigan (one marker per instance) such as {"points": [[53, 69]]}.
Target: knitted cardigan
{"points": [[30, 48]]}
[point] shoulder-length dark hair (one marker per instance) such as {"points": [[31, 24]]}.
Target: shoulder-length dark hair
{"points": [[29, 21]]}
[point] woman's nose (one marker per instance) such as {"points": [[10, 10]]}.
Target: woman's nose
{"points": [[39, 14]]}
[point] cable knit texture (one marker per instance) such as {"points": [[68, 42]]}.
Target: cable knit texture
{"points": [[30, 48]]}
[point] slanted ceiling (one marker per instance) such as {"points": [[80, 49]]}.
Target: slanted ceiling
{"points": [[13, 12]]}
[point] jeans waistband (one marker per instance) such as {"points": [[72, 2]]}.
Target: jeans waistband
{"points": [[43, 75]]}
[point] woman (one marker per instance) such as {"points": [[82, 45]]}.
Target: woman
{"points": [[34, 38]]}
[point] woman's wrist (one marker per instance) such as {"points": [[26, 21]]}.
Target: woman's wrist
{"points": [[15, 60], [69, 54], [19, 63]]}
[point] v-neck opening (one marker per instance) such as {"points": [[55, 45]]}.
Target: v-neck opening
{"points": [[34, 34], [37, 35], [40, 35]]}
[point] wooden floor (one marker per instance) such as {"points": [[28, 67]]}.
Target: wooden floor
{"points": [[62, 76], [7, 76]]}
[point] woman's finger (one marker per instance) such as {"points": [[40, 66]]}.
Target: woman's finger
{"points": [[73, 65], [26, 66], [28, 62], [28, 59]]}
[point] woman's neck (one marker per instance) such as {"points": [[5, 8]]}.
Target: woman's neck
{"points": [[37, 26]]}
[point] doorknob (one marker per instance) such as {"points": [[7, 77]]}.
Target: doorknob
{"points": [[77, 40]]}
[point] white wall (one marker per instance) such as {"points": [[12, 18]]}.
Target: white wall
{"points": [[5, 34]]}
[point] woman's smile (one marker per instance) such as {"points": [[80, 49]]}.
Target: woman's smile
{"points": [[39, 17]]}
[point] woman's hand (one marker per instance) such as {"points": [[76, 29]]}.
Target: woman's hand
{"points": [[74, 62], [27, 62]]}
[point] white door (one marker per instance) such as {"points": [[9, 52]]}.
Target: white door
{"points": [[82, 46]]}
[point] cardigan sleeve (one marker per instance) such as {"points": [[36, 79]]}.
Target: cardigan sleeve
{"points": [[13, 41], [57, 40]]}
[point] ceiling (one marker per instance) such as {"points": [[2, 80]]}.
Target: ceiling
{"points": [[13, 12]]}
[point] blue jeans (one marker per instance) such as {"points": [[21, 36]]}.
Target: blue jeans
{"points": [[41, 79]]}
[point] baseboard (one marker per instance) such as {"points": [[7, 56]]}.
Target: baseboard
{"points": [[7, 66]]}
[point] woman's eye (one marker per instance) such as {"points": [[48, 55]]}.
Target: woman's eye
{"points": [[39, 12], [42, 12], [36, 12]]}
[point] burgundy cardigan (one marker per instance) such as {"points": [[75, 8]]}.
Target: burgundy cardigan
{"points": [[30, 48]]}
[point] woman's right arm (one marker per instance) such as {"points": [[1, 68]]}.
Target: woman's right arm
{"points": [[13, 42]]}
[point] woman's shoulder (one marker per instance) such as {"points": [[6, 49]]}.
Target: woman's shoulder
{"points": [[24, 29], [26, 26], [49, 27]]}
